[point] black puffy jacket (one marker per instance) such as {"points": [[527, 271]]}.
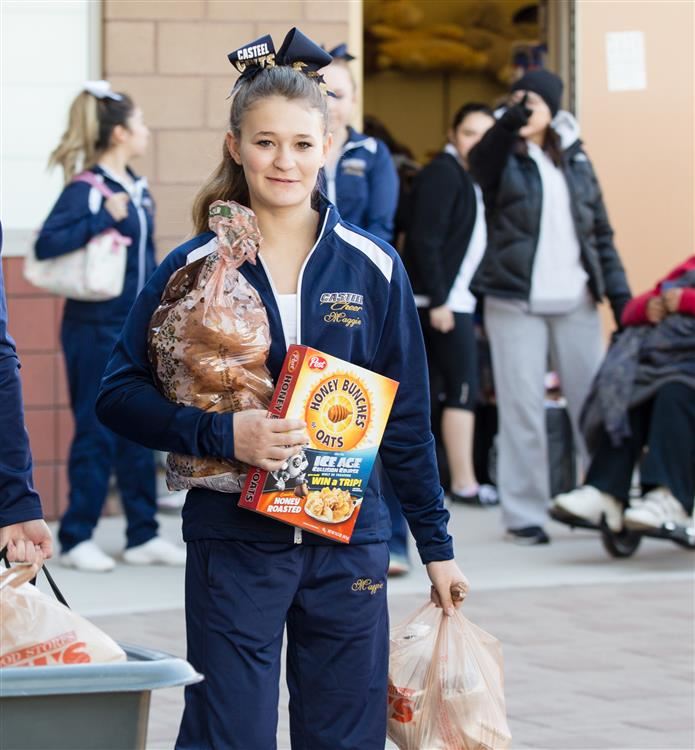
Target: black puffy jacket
{"points": [[513, 193]]}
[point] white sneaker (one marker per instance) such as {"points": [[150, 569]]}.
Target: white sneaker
{"points": [[155, 552], [88, 557], [591, 505], [656, 508]]}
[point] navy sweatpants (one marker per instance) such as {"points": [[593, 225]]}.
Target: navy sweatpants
{"points": [[239, 598], [666, 426], [95, 450]]}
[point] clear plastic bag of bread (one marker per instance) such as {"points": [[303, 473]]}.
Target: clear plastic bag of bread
{"points": [[209, 341], [446, 685]]}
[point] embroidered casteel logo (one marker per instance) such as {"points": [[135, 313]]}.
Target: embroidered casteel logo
{"points": [[344, 308], [367, 585], [338, 412]]}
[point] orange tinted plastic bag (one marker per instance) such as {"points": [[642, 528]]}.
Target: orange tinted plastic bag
{"points": [[446, 685], [37, 631]]}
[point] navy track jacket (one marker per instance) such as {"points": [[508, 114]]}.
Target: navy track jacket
{"points": [[18, 499], [379, 331], [365, 185], [78, 215]]}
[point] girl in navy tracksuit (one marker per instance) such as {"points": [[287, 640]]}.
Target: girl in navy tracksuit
{"points": [[106, 130], [249, 576], [360, 174], [362, 182]]}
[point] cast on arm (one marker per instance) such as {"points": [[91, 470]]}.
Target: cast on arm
{"points": [[383, 195], [129, 402], [407, 449], [71, 223], [489, 156]]}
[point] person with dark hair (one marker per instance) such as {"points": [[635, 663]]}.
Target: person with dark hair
{"points": [[444, 245], [105, 131], [22, 529], [550, 259], [643, 398], [361, 177], [249, 577]]}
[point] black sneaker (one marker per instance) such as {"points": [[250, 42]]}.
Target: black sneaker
{"points": [[528, 536], [464, 499]]}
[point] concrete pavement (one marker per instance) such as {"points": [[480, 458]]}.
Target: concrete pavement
{"points": [[598, 652]]}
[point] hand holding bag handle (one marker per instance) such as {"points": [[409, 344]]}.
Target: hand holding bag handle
{"points": [[54, 586]]}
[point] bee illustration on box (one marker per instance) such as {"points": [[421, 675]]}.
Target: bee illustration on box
{"points": [[293, 475]]}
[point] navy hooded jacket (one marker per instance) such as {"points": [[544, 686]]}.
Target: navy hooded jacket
{"points": [[78, 215], [380, 331], [19, 501], [365, 185]]}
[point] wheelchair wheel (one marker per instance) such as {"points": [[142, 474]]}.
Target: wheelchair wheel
{"points": [[620, 544]]}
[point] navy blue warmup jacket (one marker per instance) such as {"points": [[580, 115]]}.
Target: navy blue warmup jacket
{"points": [[365, 185], [78, 215], [19, 501], [382, 335]]}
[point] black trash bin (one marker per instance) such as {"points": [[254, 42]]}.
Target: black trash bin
{"points": [[86, 706]]}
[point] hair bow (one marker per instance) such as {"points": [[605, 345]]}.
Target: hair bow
{"points": [[101, 90], [341, 53], [297, 51]]}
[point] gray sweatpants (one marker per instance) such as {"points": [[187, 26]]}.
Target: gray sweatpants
{"points": [[522, 344]]}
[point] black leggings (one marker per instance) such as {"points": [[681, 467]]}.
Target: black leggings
{"points": [[453, 361], [666, 426]]}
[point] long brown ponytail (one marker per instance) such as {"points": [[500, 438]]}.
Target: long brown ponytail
{"points": [[228, 182], [91, 122]]}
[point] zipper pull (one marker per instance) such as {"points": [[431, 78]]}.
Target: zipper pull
{"points": [[297, 535]]}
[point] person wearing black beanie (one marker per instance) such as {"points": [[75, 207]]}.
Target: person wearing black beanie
{"points": [[550, 259], [544, 83]]}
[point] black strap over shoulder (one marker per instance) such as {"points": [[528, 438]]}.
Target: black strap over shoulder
{"points": [[54, 586]]}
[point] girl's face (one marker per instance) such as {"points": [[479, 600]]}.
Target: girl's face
{"points": [[471, 129], [281, 148], [340, 106], [134, 136], [541, 117]]}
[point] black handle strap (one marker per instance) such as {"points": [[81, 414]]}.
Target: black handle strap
{"points": [[54, 586]]}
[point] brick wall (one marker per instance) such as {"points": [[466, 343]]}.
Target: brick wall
{"points": [[35, 325], [171, 57]]}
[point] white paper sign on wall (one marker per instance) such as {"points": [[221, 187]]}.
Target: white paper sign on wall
{"points": [[625, 61]]}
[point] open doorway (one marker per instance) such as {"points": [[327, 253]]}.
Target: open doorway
{"points": [[423, 59]]}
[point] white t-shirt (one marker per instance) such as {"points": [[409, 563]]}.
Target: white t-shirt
{"points": [[558, 279], [287, 304], [460, 299]]}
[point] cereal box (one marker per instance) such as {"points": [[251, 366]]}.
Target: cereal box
{"points": [[345, 408]]}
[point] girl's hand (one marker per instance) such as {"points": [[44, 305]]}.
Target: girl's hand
{"points": [[117, 205], [442, 319], [449, 585], [672, 299], [656, 310], [267, 443]]}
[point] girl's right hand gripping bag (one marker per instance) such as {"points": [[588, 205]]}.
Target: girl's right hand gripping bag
{"points": [[446, 685]]}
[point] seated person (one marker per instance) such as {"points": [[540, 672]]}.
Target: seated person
{"points": [[643, 397]]}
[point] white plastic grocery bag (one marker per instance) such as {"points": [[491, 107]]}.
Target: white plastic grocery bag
{"points": [[446, 685]]}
